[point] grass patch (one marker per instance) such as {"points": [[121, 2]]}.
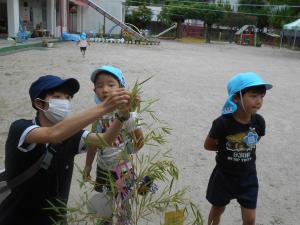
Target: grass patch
{"points": [[192, 40], [21, 47]]}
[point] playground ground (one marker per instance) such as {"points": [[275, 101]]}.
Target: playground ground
{"points": [[190, 80]]}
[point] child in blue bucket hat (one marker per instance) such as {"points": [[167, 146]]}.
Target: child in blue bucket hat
{"points": [[234, 136], [83, 43], [106, 79]]}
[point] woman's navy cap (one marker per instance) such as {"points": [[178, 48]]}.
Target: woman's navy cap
{"points": [[48, 82]]}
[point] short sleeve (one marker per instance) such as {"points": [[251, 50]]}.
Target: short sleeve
{"points": [[76, 143], [260, 125], [26, 147], [18, 132], [82, 145], [217, 129]]}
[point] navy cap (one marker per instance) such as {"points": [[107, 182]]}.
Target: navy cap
{"points": [[48, 82]]}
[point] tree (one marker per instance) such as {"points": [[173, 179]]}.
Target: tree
{"points": [[256, 7], [210, 14], [143, 2], [172, 12], [176, 11], [236, 21], [284, 14], [140, 17]]}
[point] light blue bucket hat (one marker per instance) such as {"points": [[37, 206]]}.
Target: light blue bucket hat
{"points": [[83, 36], [115, 72], [239, 82]]}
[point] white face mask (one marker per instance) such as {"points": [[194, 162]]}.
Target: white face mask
{"points": [[58, 110]]}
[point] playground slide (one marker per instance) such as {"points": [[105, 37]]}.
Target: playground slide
{"points": [[115, 20], [165, 31], [128, 24]]}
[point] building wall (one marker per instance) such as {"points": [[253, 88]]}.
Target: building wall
{"points": [[42, 12], [3, 18], [34, 9], [93, 21], [231, 2], [13, 17], [154, 9]]}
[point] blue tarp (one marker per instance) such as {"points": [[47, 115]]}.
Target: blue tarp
{"points": [[71, 37]]}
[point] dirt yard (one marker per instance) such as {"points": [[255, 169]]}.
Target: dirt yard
{"points": [[190, 80]]}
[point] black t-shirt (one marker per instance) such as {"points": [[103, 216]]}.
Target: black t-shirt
{"points": [[237, 143], [27, 203]]}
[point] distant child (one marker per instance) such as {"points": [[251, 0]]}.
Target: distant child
{"points": [[234, 136], [83, 43], [106, 79]]}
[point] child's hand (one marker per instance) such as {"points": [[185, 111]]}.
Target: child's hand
{"points": [[124, 110], [135, 103], [118, 99], [87, 173]]}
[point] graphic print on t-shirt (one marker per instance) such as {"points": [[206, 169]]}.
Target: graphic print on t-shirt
{"points": [[240, 146], [106, 122]]}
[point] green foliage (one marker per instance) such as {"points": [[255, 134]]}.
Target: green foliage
{"points": [[140, 17], [256, 7], [284, 2], [238, 20], [176, 11], [172, 12], [265, 14], [258, 42], [142, 2], [284, 14], [280, 18], [179, 11], [211, 14], [224, 4]]}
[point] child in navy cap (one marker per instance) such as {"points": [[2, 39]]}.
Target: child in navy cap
{"points": [[234, 136]]}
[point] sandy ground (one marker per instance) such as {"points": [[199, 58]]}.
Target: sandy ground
{"points": [[190, 81]]}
